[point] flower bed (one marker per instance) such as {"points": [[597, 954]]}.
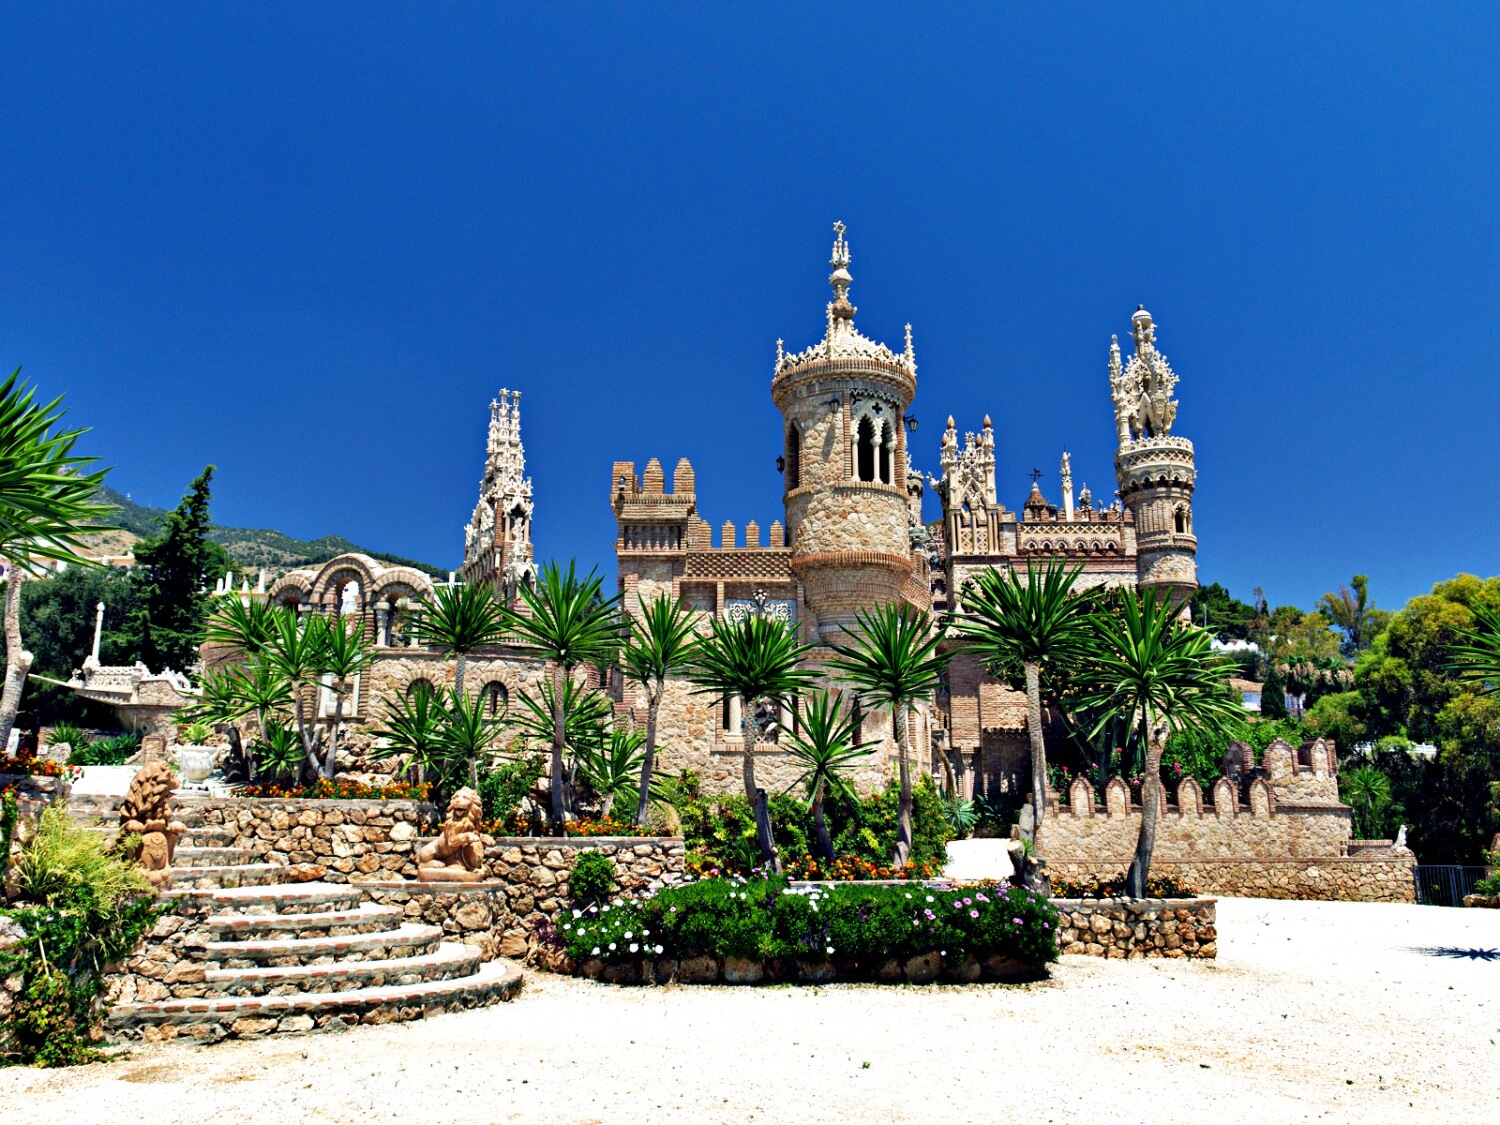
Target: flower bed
{"points": [[1092, 887], [853, 868], [32, 766], [339, 789], [848, 931]]}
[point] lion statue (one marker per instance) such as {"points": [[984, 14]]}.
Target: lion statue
{"points": [[457, 855], [146, 813]]}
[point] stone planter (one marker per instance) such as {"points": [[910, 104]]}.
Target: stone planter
{"points": [[196, 762], [1490, 901]]}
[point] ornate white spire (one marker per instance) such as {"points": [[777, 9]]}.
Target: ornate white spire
{"points": [[497, 542], [1142, 389], [1067, 486]]}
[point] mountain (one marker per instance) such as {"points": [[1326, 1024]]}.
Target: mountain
{"points": [[248, 546]]}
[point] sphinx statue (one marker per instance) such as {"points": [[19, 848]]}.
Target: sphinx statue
{"points": [[146, 812], [457, 855]]}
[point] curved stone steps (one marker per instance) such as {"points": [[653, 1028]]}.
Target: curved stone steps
{"points": [[410, 939], [285, 898], [363, 919], [250, 1016], [206, 856], [450, 961], [210, 876]]}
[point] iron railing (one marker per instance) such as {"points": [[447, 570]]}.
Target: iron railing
{"points": [[1446, 884]]}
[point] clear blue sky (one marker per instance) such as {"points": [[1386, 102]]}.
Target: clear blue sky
{"points": [[308, 243]]}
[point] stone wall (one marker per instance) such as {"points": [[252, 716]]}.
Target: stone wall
{"points": [[357, 841], [531, 873], [1122, 928], [471, 913], [1344, 878]]}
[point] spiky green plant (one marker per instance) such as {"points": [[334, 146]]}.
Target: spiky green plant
{"points": [[1475, 656], [613, 768], [459, 621], [568, 621], [465, 735], [1147, 666], [759, 659], [343, 654], [1012, 625], [893, 662], [63, 860], [826, 746], [245, 626], [660, 645]]}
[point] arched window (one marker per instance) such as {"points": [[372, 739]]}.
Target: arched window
{"points": [[420, 687], [793, 457], [495, 697], [887, 453], [864, 465], [1179, 520], [291, 601]]}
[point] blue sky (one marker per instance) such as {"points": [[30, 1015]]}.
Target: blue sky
{"points": [[308, 243]]}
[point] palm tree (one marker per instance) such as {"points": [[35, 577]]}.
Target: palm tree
{"points": [[613, 768], [294, 651], [458, 621], [465, 734], [1475, 656], [245, 626], [1008, 623], [1149, 667], [759, 659], [1368, 792], [344, 655], [894, 662], [826, 746], [570, 622], [47, 500], [1351, 610], [660, 645], [413, 731]]}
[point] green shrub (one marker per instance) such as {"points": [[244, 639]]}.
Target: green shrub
{"points": [[75, 737], [113, 751], [1489, 885], [80, 909], [196, 733], [502, 789], [592, 877], [855, 923]]}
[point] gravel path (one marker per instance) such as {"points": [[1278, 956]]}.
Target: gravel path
{"points": [[1327, 1011]]}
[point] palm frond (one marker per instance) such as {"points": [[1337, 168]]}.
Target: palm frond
{"points": [[894, 658], [1475, 657], [661, 642], [567, 618], [826, 746], [459, 619], [1007, 622], [755, 657]]}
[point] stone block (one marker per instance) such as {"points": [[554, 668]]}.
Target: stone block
{"points": [[739, 970]]}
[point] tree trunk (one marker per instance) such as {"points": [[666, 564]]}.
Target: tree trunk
{"points": [[825, 841], [330, 763], [759, 802], [559, 727], [302, 732], [1038, 749], [458, 675], [653, 705], [900, 719], [1140, 866], [17, 660]]}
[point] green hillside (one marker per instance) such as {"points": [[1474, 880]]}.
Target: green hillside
{"points": [[253, 547]]}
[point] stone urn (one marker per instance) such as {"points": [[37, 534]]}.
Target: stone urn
{"points": [[196, 763]]}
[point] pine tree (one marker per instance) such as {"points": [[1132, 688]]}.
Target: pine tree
{"points": [[177, 568], [1273, 696]]}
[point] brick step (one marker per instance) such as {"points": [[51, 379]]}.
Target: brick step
{"points": [[367, 918], [449, 961], [251, 1016], [207, 837], [286, 898], [410, 939], [209, 876], [196, 856]]}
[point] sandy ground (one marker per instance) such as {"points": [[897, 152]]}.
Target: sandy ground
{"points": [[1326, 1011]]}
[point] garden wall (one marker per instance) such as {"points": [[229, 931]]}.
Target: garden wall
{"points": [[1123, 928], [357, 841], [531, 873]]}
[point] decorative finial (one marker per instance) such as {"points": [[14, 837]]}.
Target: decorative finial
{"points": [[987, 421], [840, 278], [780, 353], [910, 354], [950, 421]]}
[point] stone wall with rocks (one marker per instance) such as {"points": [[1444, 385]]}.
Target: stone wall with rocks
{"points": [[532, 876], [356, 841], [1122, 928], [1344, 879], [471, 913], [922, 969]]}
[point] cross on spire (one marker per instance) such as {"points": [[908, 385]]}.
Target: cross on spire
{"points": [[1036, 475]]}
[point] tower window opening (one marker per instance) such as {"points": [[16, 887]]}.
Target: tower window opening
{"points": [[1179, 519], [887, 453], [864, 468], [793, 457]]}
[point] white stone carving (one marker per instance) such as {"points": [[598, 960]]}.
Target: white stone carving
{"points": [[497, 542], [1142, 389]]}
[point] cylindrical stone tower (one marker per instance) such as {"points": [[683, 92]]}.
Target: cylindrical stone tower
{"points": [[1154, 469], [843, 403]]}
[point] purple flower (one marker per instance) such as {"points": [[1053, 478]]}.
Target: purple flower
{"points": [[1017, 921], [973, 914]]}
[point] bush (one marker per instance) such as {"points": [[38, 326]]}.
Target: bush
{"points": [[502, 789], [859, 924], [80, 909], [592, 877], [113, 751], [75, 737], [1162, 886]]}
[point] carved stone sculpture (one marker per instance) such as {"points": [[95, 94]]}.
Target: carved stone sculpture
{"points": [[146, 812], [457, 855]]}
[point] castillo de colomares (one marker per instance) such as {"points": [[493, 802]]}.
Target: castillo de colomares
{"points": [[704, 563]]}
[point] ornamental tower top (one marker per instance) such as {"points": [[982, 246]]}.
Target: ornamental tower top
{"points": [[497, 542]]}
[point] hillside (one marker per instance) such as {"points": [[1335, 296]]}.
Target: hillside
{"points": [[248, 546]]}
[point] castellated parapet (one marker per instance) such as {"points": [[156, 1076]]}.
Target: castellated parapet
{"points": [[843, 403]]}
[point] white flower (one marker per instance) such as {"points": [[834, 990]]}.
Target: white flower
{"points": [[658, 949], [929, 898], [634, 947], [596, 951], [830, 949], [611, 945], [579, 913], [628, 935]]}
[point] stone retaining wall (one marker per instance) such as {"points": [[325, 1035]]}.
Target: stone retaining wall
{"points": [[923, 969], [532, 873], [1129, 929], [1390, 878], [471, 913], [357, 841]]}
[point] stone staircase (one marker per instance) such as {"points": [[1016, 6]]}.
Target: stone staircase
{"points": [[242, 953]]}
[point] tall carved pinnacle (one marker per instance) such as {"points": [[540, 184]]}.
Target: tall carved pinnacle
{"points": [[840, 278]]}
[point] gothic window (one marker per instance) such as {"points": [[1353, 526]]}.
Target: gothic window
{"points": [[793, 457], [420, 687], [1179, 520], [887, 453], [864, 468], [494, 697]]}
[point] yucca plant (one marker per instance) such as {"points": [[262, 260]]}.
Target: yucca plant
{"points": [[1012, 625], [826, 747], [465, 734], [412, 730], [568, 621], [1147, 666], [343, 655], [294, 652], [1475, 657], [47, 501], [1368, 792], [459, 621], [277, 753], [893, 662], [660, 645], [757, 658], [245, 626], [613, 768]]}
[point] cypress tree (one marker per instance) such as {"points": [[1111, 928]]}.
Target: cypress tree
{"points": [[177, 568], [1273, 695]]}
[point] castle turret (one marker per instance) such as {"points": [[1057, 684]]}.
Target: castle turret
{"points": [[497, 542], [843, 403], [1154, 469]]}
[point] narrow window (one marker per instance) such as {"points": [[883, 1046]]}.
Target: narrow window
{"points": [[865, 451], [887, 453], [495, 698], [1180, 519], [793, 457]]}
